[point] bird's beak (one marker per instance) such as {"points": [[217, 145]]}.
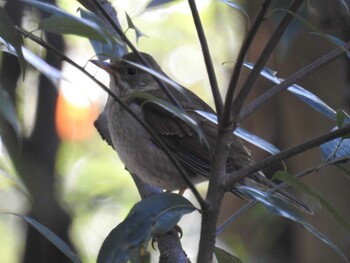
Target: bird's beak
{"points": [[103, 65]]}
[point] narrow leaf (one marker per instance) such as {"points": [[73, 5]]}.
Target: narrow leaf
{"points": [[11, 37], [291, 180], [306, 96], [336, 148], [280, 207], [223, 256], [244, 134], [52, 237]]}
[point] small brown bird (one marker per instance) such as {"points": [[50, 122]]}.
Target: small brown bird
{"points": [[138, 150]]}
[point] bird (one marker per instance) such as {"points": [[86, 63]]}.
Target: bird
{"points": [[142, 155]]}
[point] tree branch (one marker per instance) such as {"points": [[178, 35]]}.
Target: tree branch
{"points": [[240, 174], [240, 59], [207, 58], [249, 83], [303, 72]]}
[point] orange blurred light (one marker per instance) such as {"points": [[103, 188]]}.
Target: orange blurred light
{"points": [[74, 121]]}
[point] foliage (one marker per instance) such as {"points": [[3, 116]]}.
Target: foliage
{"points": [[159, 213]]}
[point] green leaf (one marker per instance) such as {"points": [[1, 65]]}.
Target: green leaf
{"points": [[223, 256], [341, 116], [291, 180], [62, 22], [10, 35], [131, 24], [7, 111], [72, 25], [52, 237], [280, 207], [156, 214]]}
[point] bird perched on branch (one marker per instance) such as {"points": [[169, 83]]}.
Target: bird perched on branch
{"points": [[188, 135]]}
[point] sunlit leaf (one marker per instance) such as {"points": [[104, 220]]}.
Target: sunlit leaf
{"points": [[156, 214], [11, 37], [280, 207], [223, 256], [7, 110], [169, 107], [52, 237], [244, 134], [291, 180], [131, 24]]}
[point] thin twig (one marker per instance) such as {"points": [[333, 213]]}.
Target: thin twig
{"points": [[305, 71], [178, 166], [278, 187], [240, 59], [240, 174], [134, 49], [253, 76], [207, 58]]}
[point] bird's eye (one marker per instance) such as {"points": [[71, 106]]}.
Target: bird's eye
{"points": [[131, 71]]}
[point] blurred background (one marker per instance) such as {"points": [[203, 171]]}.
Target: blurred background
{"points": [[63, 175]]}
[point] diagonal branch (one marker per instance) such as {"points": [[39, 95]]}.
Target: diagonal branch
{"points": [[249, 83], [235, 177], [121, 34], [240, 59], [280, 186], [305, 71], [207, 58]]}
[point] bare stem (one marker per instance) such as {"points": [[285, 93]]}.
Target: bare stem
{"points": [[278, 187], [233, 178], [134, 49], [249, 83], [207, 58], [238, 65], [305, 71]]}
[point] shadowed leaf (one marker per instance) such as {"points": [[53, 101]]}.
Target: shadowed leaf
{"points": [[280, 207], [11, 37], [291, 180], [154, 215], [52, 237], [223, 256], [7, 111]]}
